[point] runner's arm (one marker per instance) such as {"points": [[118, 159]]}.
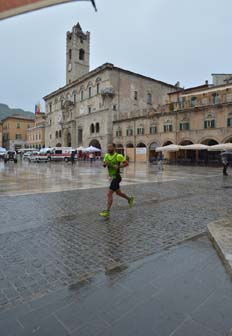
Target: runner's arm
{"points": [[121, 165]]}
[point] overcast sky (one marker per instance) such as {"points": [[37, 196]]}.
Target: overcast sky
{"points": [[172, 41]]}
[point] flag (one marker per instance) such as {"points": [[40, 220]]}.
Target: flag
{"points": [[37, 108], [10, 8]]}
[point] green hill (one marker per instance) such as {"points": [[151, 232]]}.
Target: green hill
{"points": [[6, 111]]}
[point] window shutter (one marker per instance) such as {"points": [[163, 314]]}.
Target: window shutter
{"points": [[187, 126], [205, 124], [228, 122], [213, 123], [170, 128], [181, 127]]}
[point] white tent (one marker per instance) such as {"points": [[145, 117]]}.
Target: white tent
{"points": [[2, 150], [220, 147], [195, 147], [92, 149], [81, 148], [169, 148]]}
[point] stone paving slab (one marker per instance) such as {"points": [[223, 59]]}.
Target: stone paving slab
{"points": [[220, 232], [49, 241], [181, 291]]}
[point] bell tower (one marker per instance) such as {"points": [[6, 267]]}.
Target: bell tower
{"points": [[77, 53]]}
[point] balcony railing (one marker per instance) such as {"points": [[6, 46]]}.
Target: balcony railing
{"points": [[177, 106], [108, 92]]}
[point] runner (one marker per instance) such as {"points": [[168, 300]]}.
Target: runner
{"points": [[114, 162]]}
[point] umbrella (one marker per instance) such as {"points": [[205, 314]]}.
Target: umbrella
{"points": [[221, 147], [169, 148], [195, 147], [11, 7], [92, 149]]}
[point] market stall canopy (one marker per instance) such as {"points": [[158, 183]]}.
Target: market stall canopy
{"points": [[221, 147], [92, 149], [10, 8], [195, 147], [169, 148], [2, 150], [81, 148]]}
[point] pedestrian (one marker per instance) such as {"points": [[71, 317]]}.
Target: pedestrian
{"points": [[225, 165], [160, 162], [72, 157], [114, 162], [91, 156]]}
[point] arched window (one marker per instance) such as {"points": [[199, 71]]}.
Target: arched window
{"points": [[98, 88], [209, 121], [129, 131], [149, 98], [70, 54], [119, 132], [60, 133], [92, 128], [97, 128], [229, 120], [184, 124], [82, 95], [74, 97], [57, 134], [81, 55], [168, 127]]}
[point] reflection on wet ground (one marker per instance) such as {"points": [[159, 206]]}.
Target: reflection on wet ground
{"points": [[54, 242], [28, 178]]}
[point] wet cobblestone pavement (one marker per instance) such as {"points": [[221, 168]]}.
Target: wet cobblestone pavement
{"points": [[55, 239]]}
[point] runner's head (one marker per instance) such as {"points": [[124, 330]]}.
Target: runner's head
{"points": [[111, 148]]}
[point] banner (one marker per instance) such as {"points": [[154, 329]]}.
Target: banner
{"points": [[141, 150], [10, 8]]}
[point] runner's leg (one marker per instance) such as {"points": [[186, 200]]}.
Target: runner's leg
{"points": [[121, 194], [109, 199]]}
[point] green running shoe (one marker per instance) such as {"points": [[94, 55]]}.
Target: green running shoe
{"points": [[104, 213], [131, 202]]}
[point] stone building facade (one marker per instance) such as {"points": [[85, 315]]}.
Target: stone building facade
{"points": [[197, 115], [36, 134], [14, 131], [83, 111]]}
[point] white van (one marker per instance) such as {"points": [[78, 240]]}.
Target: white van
{"points": [[54, 154]]}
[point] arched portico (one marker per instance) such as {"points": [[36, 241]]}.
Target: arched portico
{"points": [[227, 139], [185, 156], [95, 143], [152, 153], [168, 142], [69, 140], [130, 151], [141, 152], [209, 157]]}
